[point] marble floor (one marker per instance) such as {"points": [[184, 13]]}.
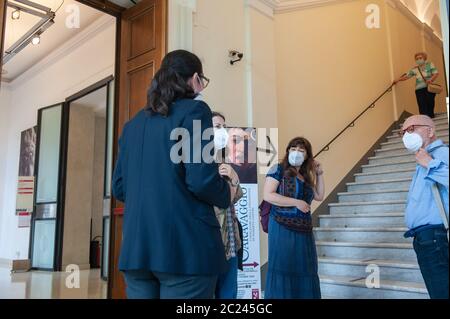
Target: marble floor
{"points": [[51, 285]]}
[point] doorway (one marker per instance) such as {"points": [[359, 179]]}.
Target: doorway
{"points": [[88, 171], [140, 46], [71, 223]]}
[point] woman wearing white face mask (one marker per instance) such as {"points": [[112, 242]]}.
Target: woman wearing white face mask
{"points": [[425, 73], [227, 285], [291, 187]]}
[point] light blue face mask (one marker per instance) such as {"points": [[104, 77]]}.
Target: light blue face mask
{"points": [[296, 158], [420, 61]]}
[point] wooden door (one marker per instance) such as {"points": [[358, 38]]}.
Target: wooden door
{"points": [[142, 47]]}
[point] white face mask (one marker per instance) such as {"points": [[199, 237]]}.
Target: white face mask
{"points": [[413, 141], [220, 138], [296, 158]]}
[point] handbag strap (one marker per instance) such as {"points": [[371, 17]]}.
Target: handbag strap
{"points": [[438, 199], [440, 205], [420, 71]]}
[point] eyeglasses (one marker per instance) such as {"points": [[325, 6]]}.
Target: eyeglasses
{"points": [[410, 129], [205, 81]]}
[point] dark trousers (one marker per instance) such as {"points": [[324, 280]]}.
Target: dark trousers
{"points": [[143, 284], [431, 247], [426, 102]]}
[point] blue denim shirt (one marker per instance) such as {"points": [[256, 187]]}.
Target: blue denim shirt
{"points": [[421, 207]]}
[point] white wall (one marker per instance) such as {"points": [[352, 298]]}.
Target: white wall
{"points": [[262, 76], [213, 36], [5, 95], [246, 92], [47, 83]]}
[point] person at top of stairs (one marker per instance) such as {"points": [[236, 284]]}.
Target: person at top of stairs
{"points": [[425, 73], [423, 217]]}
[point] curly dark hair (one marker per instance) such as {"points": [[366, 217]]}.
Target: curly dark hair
{"points": [[170, 83]]}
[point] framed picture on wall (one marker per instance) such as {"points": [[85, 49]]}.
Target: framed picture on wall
{"points": [[25, 185]]}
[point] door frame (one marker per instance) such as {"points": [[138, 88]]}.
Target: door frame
{"points": [[63, 164], [36, 178], [116, 11], [116, 282]]}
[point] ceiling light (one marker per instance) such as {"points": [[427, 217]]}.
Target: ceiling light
{"points": [[46, 16], [15, 15], [36, 40]]}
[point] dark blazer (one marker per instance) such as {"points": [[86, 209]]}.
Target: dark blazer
{"points": [[169, 221]]}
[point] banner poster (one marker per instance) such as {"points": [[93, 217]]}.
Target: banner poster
{"points": [[241, 155], [25, 185]]}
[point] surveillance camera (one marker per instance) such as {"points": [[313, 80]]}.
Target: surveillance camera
{"points": [[235, 56]]}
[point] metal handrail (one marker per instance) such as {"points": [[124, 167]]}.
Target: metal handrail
{"points": [[326, 148]]}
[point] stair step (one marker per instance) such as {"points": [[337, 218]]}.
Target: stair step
{"points": [[373, 195], [399, 270], [362, 234], [384, 175], [399, 183], [368, 207], [439, 130], [363, 220], [391, 151], [383, 167], [438, 117], [439, 133], [401, 150], [439, 123], [391, 159], [356, 288], [399, 143], [366, 250]]}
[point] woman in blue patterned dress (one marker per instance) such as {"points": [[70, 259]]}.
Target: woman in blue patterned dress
{"points": [[291, 187]]}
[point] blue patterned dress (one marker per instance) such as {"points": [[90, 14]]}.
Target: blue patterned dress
{"points": [[292, 270]]}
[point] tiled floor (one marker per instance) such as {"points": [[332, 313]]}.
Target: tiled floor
{"points": [[51, 285]]}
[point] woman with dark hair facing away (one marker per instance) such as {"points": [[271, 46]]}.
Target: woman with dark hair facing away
{"points": [[172, 246], [291, 187]]}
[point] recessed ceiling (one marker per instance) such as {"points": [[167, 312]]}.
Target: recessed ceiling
{"points": [[52, 38], [427, 11]]}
